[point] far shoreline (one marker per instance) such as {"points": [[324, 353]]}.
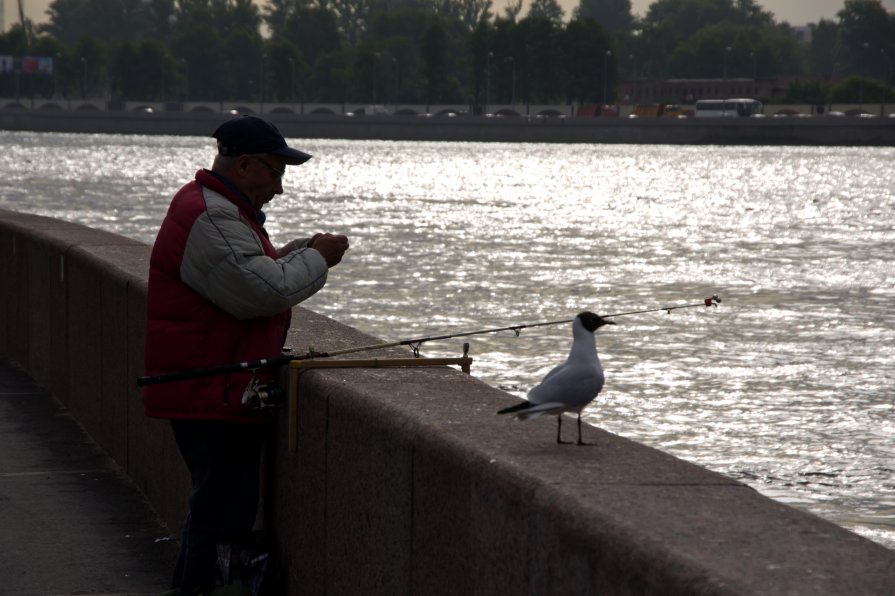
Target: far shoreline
{"points": [[816, 130]]}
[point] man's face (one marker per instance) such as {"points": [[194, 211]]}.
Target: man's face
{"points": [[263, 178]]}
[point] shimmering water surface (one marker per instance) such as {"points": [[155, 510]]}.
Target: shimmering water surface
{"points": [[787, 386]]}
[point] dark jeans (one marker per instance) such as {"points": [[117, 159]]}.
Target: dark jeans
{"points": [[224, 460]]}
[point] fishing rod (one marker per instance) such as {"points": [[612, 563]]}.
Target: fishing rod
{"points": [[414, 345]]}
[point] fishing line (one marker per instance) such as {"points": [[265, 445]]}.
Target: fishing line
{"points": [[414, 344]]}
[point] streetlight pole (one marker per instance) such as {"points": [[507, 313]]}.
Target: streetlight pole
{"points": [[726, 53], [889, 61], [396, 68], [292, 82], [261, 86], [186, 80], [57, 61], [488, 80], [606, 75], [861, 78], [83, 78], [375, 60], [512, 62], [883, 53], [754, 74], [18, 71]]}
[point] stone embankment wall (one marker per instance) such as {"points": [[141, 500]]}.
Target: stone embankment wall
{"points": [[404, 481]]}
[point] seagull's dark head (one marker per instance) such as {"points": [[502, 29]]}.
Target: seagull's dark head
{"points": [[592, 321]]}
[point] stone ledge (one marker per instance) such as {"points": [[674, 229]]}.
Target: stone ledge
{"points": [[406, 481]]}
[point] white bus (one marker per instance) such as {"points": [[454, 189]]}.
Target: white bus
{"points": [[727, 108]]}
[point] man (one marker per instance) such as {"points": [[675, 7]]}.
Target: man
{"points": [[220, 293]]}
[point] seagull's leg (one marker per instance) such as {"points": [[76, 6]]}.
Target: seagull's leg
{"points": [[559, 432], [580, 442]]}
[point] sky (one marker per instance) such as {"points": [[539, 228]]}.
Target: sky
{"points": [[795, 12]]}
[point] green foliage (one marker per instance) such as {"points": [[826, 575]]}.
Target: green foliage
{"points": [[331, 78], [472, 13], [866, 39], [14, 41], [822, 50], [142, 71], [313, 31], [612, 15], [434, 46], [546, 9], [690, 38], [288, 72], [687, 17], [731, 50], [108, 20], [542, 60], [862, 90], [201, 50], [430, 51], [814, 93], [590, 60], [275, 14]]}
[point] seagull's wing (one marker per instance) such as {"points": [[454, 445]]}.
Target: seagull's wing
{"points": [[555, 371], [574, 386]]}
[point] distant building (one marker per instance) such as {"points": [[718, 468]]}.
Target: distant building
{"points": [[687, 91], [803, 33]]}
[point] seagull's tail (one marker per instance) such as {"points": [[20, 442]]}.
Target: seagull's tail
{"points": [[527, 410], [551, 407], [518, 407]]}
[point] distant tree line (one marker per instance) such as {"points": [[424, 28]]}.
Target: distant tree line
{"points": [[433, 51]]}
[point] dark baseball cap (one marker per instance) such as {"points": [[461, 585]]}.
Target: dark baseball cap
{"points": [[245, 135]]}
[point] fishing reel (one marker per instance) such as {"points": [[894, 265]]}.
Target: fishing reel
{"points": [[263, 396]]}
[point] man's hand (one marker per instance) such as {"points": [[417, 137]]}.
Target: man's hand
{"points": [[331, 246]]}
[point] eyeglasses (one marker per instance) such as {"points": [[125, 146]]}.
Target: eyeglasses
{"points": [[278, 174]]}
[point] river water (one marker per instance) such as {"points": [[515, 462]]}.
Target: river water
{"points": [[787, 386]]}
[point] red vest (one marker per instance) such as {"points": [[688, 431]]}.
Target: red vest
{"points": [[184, 331]]}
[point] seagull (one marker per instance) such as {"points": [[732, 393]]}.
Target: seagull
{"points": [[571, 385]]}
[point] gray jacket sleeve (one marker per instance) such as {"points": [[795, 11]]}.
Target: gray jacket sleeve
{"points": [[224, 261], [293, 246]]}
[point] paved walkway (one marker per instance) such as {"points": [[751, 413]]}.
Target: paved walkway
{"points": [[70, 521]]}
